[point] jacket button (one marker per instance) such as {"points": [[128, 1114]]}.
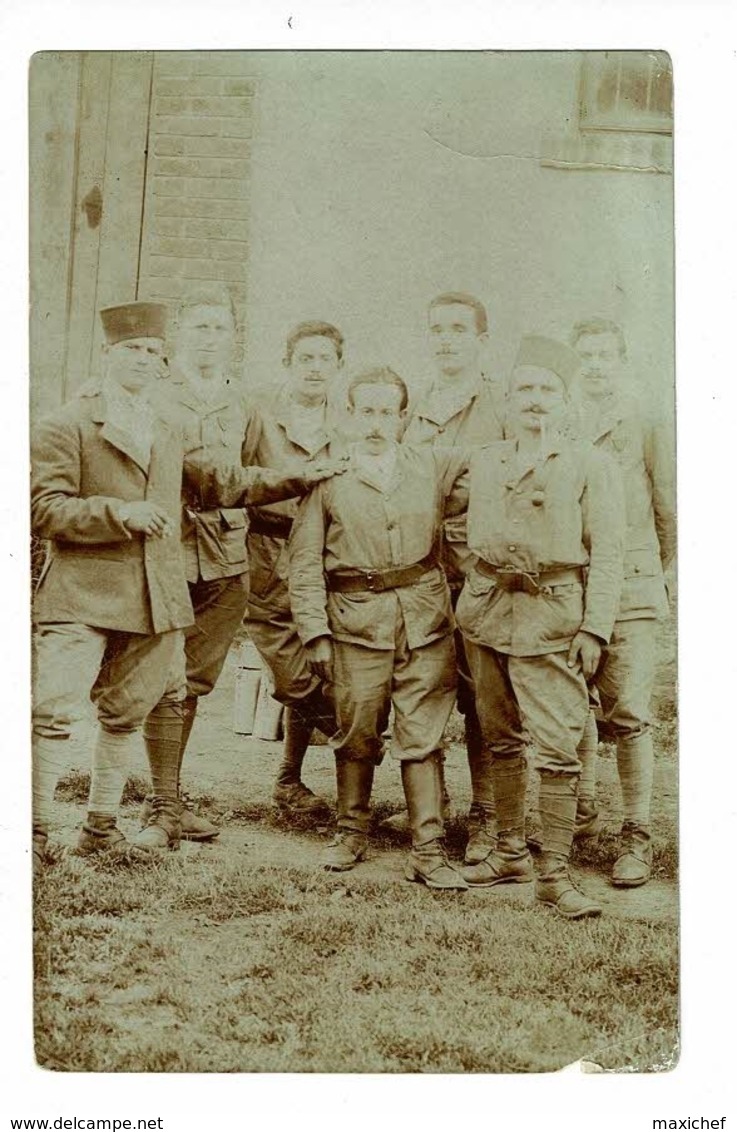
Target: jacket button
{"points": [[513, 548]]}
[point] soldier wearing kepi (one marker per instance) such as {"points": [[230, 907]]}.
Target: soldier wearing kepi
{"points": [[546, 520], [372, 607], [644, 451], [213, 413], [460, 410], [294, 427], [113, 599]]}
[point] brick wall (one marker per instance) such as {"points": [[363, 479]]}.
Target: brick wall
{"points": [[195, 219]]}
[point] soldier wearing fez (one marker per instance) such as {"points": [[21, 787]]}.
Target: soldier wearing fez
{"points": [[546, 521], [113, 598]]}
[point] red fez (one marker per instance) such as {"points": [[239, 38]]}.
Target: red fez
{"points": [[546, 353], [134, 320]]}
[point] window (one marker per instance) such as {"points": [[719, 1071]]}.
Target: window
{"points": [[627, 90]]}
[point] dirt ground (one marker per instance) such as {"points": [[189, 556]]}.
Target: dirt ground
{"points": [[232, 777], [244, 955]]}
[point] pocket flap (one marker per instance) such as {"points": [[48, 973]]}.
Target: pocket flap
{"points": [[643, 563], [234, 518], [479, 584]]}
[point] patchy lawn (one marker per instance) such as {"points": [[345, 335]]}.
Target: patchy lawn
{"points": [[244, 956]]}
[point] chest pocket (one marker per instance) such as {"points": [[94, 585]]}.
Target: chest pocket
{"points": [[233, 526]]}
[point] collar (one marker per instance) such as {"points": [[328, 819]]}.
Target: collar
{"points": [[363, 471], [440, 404], [187, 394], [518, 470], [283, 416]]}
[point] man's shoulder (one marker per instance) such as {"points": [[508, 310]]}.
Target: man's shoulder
{"points": [[80, 407]]}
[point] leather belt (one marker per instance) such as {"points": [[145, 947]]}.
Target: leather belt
{"points": [[514, 580], [269, 523], [377, 581]]}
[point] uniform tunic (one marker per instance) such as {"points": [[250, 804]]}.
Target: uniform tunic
{"points": [[643, 449], [214, 531], [109, 602], [394, 646], [279, 438], [464, 422], [557, 515]]}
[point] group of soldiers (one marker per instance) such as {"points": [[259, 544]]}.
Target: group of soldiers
{"points": [[502, 552]]}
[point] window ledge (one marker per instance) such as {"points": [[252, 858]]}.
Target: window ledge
{"points": [[617, 151]]}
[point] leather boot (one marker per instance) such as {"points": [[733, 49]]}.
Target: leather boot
{"points": [[556, 888], [355, 778], [164, 827], [100, 834], [634, 863], [194, 826], [481, 833], [290, 794], [400, 823], [423, 790], [508, 860]]}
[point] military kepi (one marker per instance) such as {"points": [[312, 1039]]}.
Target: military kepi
{"points": [[546, 353], [133, 320]]}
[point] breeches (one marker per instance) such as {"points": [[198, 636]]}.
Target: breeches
{"points": [[276, 638], [534, 698], [219, 606], [124, 674], [419, 683], [626, 676]]}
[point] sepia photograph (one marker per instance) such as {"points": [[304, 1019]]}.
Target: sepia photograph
{"points": [[353, 562]]}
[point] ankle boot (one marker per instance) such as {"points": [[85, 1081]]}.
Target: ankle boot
{"points": [[355, 778], [194, 826], [556, 888], [423, 790], [508, 860], [481, 833], [290, 794], [164, 828], [100, 834], [634, 863]]}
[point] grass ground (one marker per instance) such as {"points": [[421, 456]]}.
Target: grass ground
{"points": [[243, 956]]}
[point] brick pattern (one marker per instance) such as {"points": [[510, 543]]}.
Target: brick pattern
{"points": [[195, 221]]}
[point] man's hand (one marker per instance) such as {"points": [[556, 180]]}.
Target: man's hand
{"points": [[585, 653], [320, 655], [325, 469], [147, 519]]}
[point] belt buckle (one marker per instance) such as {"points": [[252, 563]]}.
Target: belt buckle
{"points": [[373, 581], [529, 583]]}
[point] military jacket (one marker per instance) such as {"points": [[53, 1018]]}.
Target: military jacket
{"points": [[353, 522], [98, 573], [221, 479], [566, 510], [472, 421], [272, 442], [644, 451]]}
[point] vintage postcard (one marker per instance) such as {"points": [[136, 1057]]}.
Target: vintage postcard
{"points": [[354, 535]]}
